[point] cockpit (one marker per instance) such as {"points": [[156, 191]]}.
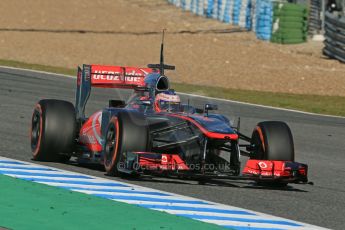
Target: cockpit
{"points": [[141, 101]]}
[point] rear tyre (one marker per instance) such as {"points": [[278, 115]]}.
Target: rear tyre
{"points": [[273, 141], [53, 130], [128, 132]]}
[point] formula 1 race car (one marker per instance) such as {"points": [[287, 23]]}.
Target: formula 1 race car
{"points": [[154, 133]]}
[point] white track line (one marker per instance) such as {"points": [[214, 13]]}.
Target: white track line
{"points": [[164, 201], [179, 212], [56, 172], [129, 194], [82, 186], [47, 177], [251, 225]]}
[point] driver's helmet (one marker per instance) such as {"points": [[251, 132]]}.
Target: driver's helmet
{"points": [[167, 101]]}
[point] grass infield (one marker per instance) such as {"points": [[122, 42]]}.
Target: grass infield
{"points": [[331, 105]]}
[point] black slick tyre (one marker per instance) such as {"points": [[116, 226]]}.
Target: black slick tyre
{"points": [[53, 130], [126, 132], [273, 141]]}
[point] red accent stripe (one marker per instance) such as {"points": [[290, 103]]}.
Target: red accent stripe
{"points": [[38, 146], [115, 121]]}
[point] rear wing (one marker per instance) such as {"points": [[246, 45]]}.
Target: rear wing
{"points": [[118, 76], [106, 77]]}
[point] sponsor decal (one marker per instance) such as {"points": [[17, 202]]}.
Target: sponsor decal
{"points": [[253, 172], [100, 74], [87, 139], [90, 132], [265, 173], [164, 159], [262, 165], [116, 76]]}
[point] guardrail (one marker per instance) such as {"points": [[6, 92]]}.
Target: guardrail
{"points": [[335, 36], [255, 15]]}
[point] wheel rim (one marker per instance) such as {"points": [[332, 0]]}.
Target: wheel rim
{"points": [[110, 145], [35, 129]]}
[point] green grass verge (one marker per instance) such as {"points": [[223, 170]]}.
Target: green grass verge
{"points": [[29, 205], [46, 68], [332, 105]]}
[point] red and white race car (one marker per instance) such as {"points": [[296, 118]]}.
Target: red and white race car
{"points": [[153, 132]]}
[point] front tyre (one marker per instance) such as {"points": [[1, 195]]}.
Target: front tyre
{"points": [[53, 130], [272, 140]]}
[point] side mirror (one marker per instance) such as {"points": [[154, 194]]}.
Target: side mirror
{"points": [[208, 107]]}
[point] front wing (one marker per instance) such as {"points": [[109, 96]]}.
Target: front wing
{"points": [[284, 171], [256, 170]]}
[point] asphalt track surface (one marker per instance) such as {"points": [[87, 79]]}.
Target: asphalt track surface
{"points": [[319, 142]]}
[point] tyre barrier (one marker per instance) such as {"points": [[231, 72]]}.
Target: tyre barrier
{"points": [[264, 19], [243, 13], [221, 10], [261, 16], [209, 8], [197, 7], [290, 24], [215, 10], [252, 12], [236, 12], [334, 36], [315, 23], [229, 6], [249, 17], [186, 4]]}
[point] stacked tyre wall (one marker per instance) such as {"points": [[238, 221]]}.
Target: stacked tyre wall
{"points": [[335, 36], [290, 23], [255, 15], [315, 23], [263, 19]]}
